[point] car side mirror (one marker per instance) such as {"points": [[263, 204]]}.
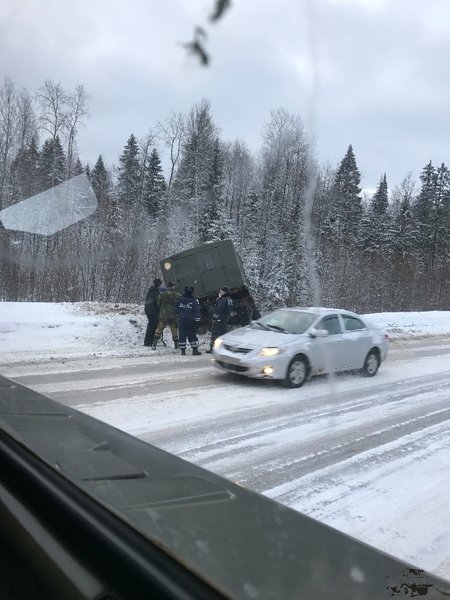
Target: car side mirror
{"points": [[318, 333]]}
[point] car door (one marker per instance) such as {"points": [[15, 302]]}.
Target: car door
{"points": [[358, 340], [328, 350]]}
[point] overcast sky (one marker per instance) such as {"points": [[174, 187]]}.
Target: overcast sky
{"points": [[371, 73]]}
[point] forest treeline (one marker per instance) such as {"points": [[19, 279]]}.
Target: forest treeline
{"points": [[305, 232]]}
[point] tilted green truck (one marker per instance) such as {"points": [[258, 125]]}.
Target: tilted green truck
{"points": [[209, 267]]}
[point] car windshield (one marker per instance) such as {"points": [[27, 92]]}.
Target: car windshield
{"points": [[186, 188], [286, 321]]}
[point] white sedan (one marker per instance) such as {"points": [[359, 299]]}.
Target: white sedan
{"points": [[293, 344]]}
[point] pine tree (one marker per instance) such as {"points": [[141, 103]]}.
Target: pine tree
{"points": [[77, 168], [380, 199], [404, 273], [342, 228], [441, 221], [346, 208], [154, 184], [214, 223], [425, 200], [128, 184], [443, 240], [375, 221], [25, 172], [433, 215], [52, 164], [404, 227], [424, 209], [404, 222], [101, 184]]}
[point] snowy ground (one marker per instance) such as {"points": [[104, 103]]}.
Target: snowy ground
{"points": [[30, 332], [381, 446]]}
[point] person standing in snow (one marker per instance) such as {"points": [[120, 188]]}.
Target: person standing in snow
{"points": [[167, 303], [221, 315], [152, 311], [188, 309]]}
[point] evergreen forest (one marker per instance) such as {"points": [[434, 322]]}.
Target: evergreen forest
{"points": [[305, 231]]}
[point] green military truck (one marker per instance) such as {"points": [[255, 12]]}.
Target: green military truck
{"points": [[209, 267]]}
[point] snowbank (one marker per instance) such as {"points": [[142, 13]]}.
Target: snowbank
{"points": [[31, 330], [403, 325]]}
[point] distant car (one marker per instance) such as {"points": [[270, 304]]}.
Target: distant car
{"points": [[293, 344]]}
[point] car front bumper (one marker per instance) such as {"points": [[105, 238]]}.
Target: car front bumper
{"points": [[257, 367]]}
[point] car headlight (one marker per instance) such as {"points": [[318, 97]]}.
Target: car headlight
{"points": [[269, 351], [218, 342]]}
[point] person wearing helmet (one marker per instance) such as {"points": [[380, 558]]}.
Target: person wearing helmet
{"points": [[221, 315]]}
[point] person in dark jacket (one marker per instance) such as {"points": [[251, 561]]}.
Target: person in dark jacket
{"points": [[152, 311], [167, 303], [188, 319], [221, 315]]}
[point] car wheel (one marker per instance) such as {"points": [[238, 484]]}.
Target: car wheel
{"points": [[371, 364], [297, 372]]}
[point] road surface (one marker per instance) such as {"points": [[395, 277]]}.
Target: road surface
{"points": [[368, 456]]}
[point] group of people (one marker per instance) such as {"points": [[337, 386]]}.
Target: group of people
{"points": [[165, 307]]}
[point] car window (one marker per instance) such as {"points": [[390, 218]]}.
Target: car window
{"points": [[290, 321], [330, 324], [352, 323]]}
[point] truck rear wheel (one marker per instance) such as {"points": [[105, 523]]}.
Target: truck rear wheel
{"points": [[243, 315]]}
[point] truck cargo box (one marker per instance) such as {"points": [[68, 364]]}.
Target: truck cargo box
{"points": [[207, 268]]}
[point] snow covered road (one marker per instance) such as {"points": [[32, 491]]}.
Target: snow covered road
{"points": [[368, 456]]}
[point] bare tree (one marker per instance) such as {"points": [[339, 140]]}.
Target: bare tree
{"points": [[8, 128], [76, 110], [238, 167], [53, 104], [27, 126], [172, 132]]}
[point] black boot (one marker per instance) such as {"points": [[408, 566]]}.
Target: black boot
{"points": [[183, 352], [210, 350], [195, 352], [175, 343]]}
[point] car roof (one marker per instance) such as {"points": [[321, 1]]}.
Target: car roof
{"points": [[322, 310]]}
